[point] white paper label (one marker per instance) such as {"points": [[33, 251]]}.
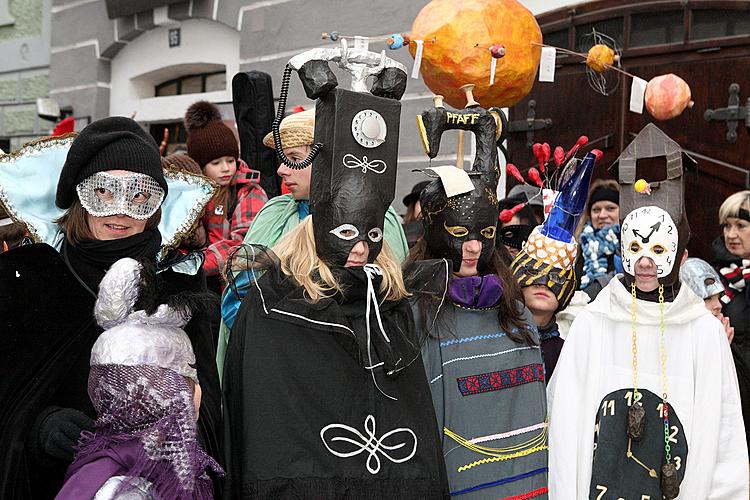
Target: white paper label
{"points": [[455, 180], [361, 42], [548, 199], [493, 66], [637, 90], [417, 59], [547, 65]]}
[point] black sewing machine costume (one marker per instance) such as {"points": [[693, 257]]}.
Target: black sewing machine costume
{"points": [[328, 399], [486, 379]]}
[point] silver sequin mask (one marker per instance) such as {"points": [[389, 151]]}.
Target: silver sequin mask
{"points": [[136, 195]]}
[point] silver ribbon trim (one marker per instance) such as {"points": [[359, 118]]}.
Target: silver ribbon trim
{"points": [[373, 446], [376, 166]]}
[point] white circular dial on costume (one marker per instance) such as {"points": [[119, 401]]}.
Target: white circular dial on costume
{"points": [[368, 128]]}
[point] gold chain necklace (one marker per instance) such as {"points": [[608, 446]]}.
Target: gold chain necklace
{"points": [[669, 484]]}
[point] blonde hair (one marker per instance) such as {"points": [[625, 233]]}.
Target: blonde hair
{"points": [[299, 261], [732, 205]]}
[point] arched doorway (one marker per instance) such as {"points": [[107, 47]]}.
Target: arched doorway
{"points": [[155, 83]]}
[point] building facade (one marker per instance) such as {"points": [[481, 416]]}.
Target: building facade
{"points": [[150, 59], [25, 31]]}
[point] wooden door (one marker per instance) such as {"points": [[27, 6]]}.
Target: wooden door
{"points": [[710, 64]]}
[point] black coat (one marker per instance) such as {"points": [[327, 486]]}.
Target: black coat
{"points": [[295, 385], [738, 312], [48, 330]]}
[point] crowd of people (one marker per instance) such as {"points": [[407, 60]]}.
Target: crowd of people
{"points": [[318, 345]]}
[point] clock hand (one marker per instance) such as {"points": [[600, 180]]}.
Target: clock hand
{"points": [[651, 472], [654, 228]]}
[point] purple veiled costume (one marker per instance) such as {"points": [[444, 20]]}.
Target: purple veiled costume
{"points": [[146, 428], [138, 383]]}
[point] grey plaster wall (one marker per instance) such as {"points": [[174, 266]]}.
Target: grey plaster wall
{"points": [[85, 40], [24, 70]]}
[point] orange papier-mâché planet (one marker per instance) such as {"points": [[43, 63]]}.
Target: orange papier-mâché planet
{"points": [[667, 96], [600, 57], [458, 36]]}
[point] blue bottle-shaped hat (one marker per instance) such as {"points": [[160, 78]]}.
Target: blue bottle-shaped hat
{"points": [[570, 202]]}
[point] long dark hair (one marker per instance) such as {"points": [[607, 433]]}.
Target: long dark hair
{"points": [[510, 312], [76, 227]]}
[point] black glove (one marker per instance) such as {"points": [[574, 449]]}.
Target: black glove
{"points": [[59, 432]]}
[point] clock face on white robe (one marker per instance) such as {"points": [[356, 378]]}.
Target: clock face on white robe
{"points": [[649, 232], [626, 469]]}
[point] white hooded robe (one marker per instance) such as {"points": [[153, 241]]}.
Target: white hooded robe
{"points": [[702, 388]]}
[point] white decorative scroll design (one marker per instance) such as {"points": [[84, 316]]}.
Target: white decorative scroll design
{"points": [[401, 439], [376, 166]]}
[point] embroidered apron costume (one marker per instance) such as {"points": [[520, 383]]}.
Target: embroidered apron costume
{"points": [[487, 389], [329, 399], [644, 401], [47, 297], [489, 399]]}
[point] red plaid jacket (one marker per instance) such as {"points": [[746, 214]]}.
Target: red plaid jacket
{"points": [[223, 234]]}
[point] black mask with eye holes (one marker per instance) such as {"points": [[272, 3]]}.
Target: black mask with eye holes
{"points": [[351, 185], [449, 222], [357, 216]]}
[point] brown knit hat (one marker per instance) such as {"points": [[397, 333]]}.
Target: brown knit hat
{"points": [[208, 137], [182, 162], [295, 130]]}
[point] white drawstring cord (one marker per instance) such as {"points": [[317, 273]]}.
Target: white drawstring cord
{"points": [[372, 298]]}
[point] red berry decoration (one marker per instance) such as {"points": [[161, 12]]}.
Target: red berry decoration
{"points": [[538, 150], [559, 156], [505, 215], [512, 170], [582, 141], [535, 177], [517, 208], [546, 151]]}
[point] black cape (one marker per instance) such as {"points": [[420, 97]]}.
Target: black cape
{"points": [[299, 403], [48, 330]]}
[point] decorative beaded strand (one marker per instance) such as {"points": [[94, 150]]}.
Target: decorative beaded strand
{"points": [[634, 346], [663, 362], [664, 376]]}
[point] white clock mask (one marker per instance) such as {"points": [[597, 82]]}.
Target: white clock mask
{"points": [[649, 232]]}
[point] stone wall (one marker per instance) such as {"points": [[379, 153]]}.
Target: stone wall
{"points": [[24, 71]]}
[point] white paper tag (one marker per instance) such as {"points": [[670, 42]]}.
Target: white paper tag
{"points": [[547, 64], [455, 180], [361, 42], [493, 67], [548, 199], [417, 59], [637, 90]]}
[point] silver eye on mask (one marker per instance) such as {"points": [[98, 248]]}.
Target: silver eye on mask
{"points": [[136, 195], [375, 234], [340, 231]]}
